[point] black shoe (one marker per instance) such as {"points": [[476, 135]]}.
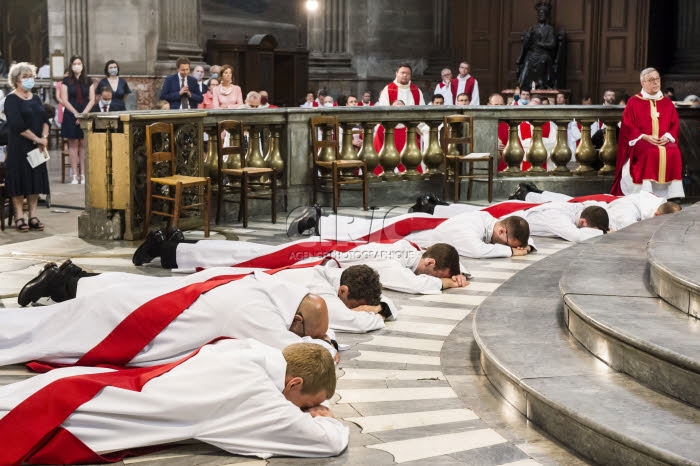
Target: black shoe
{"points": [[435, 200], [424, 204], [532, 187], [304, 222], [40, 286], [71, 269], [176, 235], [149, 249], [520, 193]]}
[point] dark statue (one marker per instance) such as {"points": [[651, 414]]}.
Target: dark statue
{"points": [[542, 59]]}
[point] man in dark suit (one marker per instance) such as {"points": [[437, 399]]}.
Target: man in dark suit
{"points": [[198, 74], [105, 104], [181, 89]]}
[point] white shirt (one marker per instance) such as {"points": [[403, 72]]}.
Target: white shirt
{"points": [[228, 395], [404, 94], [558, 219]]}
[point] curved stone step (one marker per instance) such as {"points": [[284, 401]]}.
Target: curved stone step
{"points": [[646, 338], [674, 258], [533, 360]]}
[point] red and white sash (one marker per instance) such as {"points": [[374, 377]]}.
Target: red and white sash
{"points": [[393, 93], [468, 87]]}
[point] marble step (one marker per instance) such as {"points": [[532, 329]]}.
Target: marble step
{"points": [[674, 256], [645, 338], [538, 366]]}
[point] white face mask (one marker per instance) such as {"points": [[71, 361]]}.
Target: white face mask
{"points": [[327, 104], [113, 71], [105, 103], [77, 68]]}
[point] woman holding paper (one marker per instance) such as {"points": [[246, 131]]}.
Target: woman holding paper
{"points": [[29, 129]]}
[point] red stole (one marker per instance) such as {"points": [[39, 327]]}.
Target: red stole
{"points": [[503, 134], [31, 431], [468, 87], [393, 92], [360, 104]]}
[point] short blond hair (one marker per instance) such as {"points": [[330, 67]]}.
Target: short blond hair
{"points": [[314, 364], [17, 70]]}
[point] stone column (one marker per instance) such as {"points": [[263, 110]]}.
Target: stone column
{"points": [[76, 29], [328, 38], [686, 59], [179, 33], [441, 25]]}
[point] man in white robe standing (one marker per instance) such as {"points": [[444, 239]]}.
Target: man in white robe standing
{"points": [[401, 88], [127, 319], [238, 395]]}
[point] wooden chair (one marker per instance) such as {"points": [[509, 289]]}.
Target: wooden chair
{"points": [[178, 182], [244, 174], [454, 162], [65, 158], [319, 126]]}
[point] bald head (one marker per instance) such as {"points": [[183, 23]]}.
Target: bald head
{"points": [[311, 318]]}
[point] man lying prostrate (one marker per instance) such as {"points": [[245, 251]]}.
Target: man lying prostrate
{"points": [[128, 319], [238, 395], [402, 266], [570, 221], [623, 210], [473, 234]]}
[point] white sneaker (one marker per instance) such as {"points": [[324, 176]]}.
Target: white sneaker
{"points": [[75, 180], [82, 179]]}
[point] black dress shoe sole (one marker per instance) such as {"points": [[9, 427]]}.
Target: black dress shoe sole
{"points": [[38, 287], [142, 255]]}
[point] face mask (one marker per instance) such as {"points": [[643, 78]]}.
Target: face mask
{"points": [[113, 71], [524, 101], [215, 75], [263, 100], [105, 103], [198, 75], [77, 68], [327, 104], [28, 84]]}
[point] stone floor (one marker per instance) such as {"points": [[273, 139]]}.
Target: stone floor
{"points": [[413, 393]]}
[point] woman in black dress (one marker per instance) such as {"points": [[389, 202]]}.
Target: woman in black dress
{"points": [[29, 128], [78, 94], [120, 88]]}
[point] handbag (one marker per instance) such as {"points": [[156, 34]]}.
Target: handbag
{"points": [[37, 157]]}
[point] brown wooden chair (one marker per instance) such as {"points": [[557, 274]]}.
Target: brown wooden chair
{"points": [[65, 157], [243, 175], [455, 160], [328, 149], [178, 182]]}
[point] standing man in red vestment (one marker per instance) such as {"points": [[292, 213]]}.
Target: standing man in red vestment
{"points": [[465, 83], [402, 89], [648, 158]]}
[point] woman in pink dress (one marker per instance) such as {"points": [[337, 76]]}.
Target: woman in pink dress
{"points": [[227, 94]]}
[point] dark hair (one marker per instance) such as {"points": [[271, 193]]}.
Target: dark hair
{"points": [[445, 256], [404, 65], [463, 94], [181, 61], [608, 89], [668, 208], [624, 98], [342, 100], [596, 217], [671, 90], [437, 96], [363, 284], [221, 73], [103, 88], [84, 80], [322, 92], [518, 229], [111, 62]]}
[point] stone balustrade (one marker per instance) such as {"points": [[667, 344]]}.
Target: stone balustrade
{"points": [[280, 138]]}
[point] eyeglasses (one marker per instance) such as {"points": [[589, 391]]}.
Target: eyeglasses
{"points": [[446, 74], [653, 80]]}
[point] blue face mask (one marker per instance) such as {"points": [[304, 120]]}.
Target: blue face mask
{"points": [[214, 75], [28, 83], [524, 101]]}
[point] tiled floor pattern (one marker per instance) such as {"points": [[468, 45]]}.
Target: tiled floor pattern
{"points": [[392, 390]]}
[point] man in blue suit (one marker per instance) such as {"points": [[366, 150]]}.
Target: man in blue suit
{"points": [[106, 104], [181, 89]]}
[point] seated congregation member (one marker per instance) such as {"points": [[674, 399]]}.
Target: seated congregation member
{"points": [[252, 100], [438, 99], [473, 234], [623, 211], [227, 94], [128, 319], [462, 100], [106, 102], [238, 395]]}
